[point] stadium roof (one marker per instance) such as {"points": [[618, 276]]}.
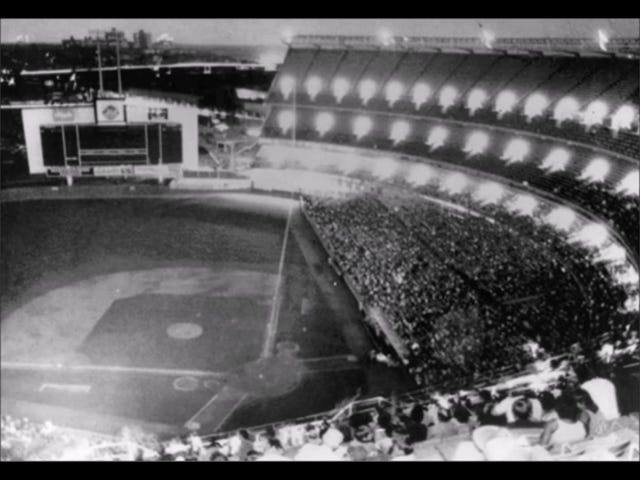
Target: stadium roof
{"points": [[621, 47]]}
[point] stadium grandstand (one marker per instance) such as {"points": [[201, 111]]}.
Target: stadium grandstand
{"points": [[478, 201], [559, 115]]}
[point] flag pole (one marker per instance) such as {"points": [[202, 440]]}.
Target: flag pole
{"points": [[99, 68], [118, 66]]}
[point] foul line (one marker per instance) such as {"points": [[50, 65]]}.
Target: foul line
{"points": [[272, 326], [231, 410], [348, 358], [197, 414], [106, 368]]}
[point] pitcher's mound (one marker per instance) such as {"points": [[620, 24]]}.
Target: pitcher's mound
{"points": [[184, 331]]}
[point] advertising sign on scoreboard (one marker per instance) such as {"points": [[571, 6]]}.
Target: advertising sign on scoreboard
{"points": [[72, 171], [158, 114], [114, 171], [110, 110], [63, 114], [151, 170]]}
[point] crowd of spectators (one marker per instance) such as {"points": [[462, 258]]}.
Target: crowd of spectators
{"points": [[463, 292]]}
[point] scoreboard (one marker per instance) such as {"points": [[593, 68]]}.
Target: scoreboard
{"points": [[82, 145]]}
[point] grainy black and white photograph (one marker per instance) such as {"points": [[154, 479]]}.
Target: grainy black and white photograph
{"points": [[319, 239]]}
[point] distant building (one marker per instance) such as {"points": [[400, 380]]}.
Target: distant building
{"points": [[114, 37], [142, 40], [110, 37], [71, 42]]}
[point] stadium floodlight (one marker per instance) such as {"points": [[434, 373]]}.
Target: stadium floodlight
{"points": [[612, 254], [286, 120], [594, 113], [437, 136], [523, 204], [399, 131], [591, 235], [287, 84], [420, 94], [556, 161], [561, 218], [603, 40], [623, 118], [454, 183], [313, 86], [385, 37], [366, 89], [535, 105], [488, 38], [447, 97], [420, 175], [630, 184], [596, 171], [477, 142], [516, 151], [505, 101], [287, 35], [324, 122], [393, 92], [489, 193], [566, 109], [475, 100], [340, 87], [361, 126]]}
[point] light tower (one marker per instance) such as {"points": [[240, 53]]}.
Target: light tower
{"points": [[101, 36]]}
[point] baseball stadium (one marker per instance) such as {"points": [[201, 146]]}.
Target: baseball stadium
{"points": [[429, 251]]}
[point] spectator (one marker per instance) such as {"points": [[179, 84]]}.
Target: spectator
{"points": [[567, 428], [519, 409], [548, 404], [274, 452], [601, 390], [407, 455], [594, 421], [445, 426]]}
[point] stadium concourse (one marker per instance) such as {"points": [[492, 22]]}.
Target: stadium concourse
{"points": [[480, 204]]}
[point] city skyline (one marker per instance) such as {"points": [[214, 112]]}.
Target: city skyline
{"points": [[269, 31]]}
